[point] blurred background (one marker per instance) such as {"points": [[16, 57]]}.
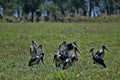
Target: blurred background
{"points": [[58, 10]]}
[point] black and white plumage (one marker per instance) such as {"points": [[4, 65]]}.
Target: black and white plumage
{"points": [[69, 61], [33, 50], [41, 53], [70, 46], [58, 58], [63, 54], [36, 59], [97, 59], [101, 52]]}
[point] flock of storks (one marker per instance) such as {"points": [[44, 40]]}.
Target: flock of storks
{"points": [[63, 57]]}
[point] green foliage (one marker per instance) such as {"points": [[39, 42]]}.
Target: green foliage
{"points": [[15, 40], [2, 20], [54, 9], [105, 19]]}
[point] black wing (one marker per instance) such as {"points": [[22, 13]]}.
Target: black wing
{"points": [[32, 60], [70, 46]]}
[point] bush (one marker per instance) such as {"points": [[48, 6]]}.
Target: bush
{"points": [[113, 18]]}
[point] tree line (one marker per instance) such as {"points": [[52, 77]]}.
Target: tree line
{"points": [[58, 8]]}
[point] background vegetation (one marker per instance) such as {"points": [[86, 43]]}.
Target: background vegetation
{"points": [[15, 40], [33, 10]]}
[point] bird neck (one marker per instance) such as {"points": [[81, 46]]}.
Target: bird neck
{"points": [[101, 50], [73, 45], [59, 47], [32, 48], [59, 50], [74, 54], [92, 53], [41, 49]]}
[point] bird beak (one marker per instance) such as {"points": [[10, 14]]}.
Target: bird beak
{"points": [[91, 50], [77, 50], [106, 49], [74, 44], [37, 47]]}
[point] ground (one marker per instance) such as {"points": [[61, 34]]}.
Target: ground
{"points": [[15, 40]]}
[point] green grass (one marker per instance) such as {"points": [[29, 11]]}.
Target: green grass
{"points": [[15, 40]]}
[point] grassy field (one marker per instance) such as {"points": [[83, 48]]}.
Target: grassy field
{"points": [[15, 40]]}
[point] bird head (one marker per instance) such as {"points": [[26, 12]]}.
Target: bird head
{"points": [[33, 42], [91, 50], [104, 47], [64, 43], [74, 44], [40, 46]]}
